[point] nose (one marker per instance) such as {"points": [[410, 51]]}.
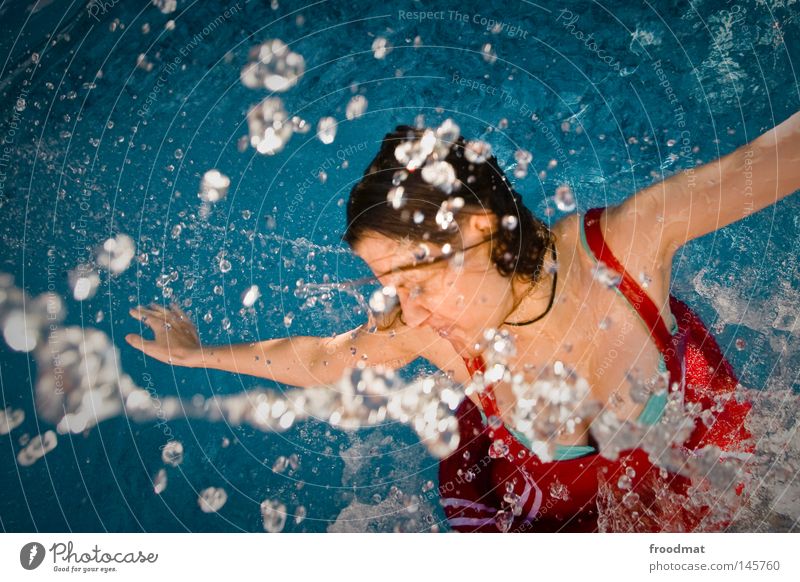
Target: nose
{"points": [[415, 314]]}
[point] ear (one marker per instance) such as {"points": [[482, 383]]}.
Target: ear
{"points": [[483, 222]]}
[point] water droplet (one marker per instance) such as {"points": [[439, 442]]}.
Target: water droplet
{"points": [[630, 499], [268, 126], [564, 198], [116, 253], [383, 300], [212, 499], [160, 482], [440, 174], [172, 454], [326, 130], [251, 295], [380, 47], [509, 222], [477, 151], [356, 107], [272, 66], [166, 6], [396, 198], [606, 276], [498, 449], [273, 514], [558, 490], [10, 419], [37, 448], [488, 53], [214, 186]]}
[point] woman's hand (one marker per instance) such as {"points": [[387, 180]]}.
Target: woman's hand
{"points": [[176, 340]]}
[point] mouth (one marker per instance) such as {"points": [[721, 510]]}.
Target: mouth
{"points": [[454, 338], [445, 332]]}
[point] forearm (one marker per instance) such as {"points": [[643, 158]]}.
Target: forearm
{"points": [[297, 361], [775, 160], [756, 175]]}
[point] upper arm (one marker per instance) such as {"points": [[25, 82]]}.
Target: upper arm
{"points": [[701, 200]]}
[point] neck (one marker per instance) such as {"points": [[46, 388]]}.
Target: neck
{"points": [[530, 299]]}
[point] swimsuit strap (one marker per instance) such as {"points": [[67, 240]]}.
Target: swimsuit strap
{"points": [[488, 402], [637, 297]]}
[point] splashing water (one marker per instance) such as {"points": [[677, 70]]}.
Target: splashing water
{"points": [[25, 320], [553, 405], [166, 6], [79, 385], [10, 419], [212, 499], [381, 47], [160, 482], [84, 282], [564, 198], [356, 107], [214, 186], [37, 448], [172, 454], [116, 254], [273, 66], [558, 399], [269, 126], [523, 158], [326, 130], [273, 514]]}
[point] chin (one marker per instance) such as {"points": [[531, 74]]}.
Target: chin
{"points": [[464, 349]]}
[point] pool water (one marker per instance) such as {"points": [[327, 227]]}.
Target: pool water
{"points": [[114, 112]]}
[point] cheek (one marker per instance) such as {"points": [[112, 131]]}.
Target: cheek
{"points": [[464, 292]]}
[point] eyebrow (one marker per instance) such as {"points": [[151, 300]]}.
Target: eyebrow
{"points": [[413, 265]]}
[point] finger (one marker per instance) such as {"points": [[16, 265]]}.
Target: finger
{"points": [[136, 341], [138, 312], [159, 310], [178, 312], [148, 348], [182, 321], [155, 319], [145, 314]]}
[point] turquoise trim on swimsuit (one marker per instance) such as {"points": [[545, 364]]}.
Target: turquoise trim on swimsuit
{"points": [[562, 452], [651, 414]]}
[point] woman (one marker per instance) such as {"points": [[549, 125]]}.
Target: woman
{"points": [[440, 226]]}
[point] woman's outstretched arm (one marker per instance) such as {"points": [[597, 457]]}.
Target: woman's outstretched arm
{"points": [[298, 360], [701, 200]]}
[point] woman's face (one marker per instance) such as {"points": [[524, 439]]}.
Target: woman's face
{"points": [[459, 297]]}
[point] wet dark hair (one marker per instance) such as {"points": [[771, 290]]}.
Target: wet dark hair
{"points": [[483, 186]]}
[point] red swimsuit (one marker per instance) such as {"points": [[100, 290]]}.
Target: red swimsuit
{"points": [[476, 484]]}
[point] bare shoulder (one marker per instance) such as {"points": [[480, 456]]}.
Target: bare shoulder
{"points": [[574, 265], [635, 236]]}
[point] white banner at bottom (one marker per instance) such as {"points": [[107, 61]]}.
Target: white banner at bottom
{"points": [[334, 557]]}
